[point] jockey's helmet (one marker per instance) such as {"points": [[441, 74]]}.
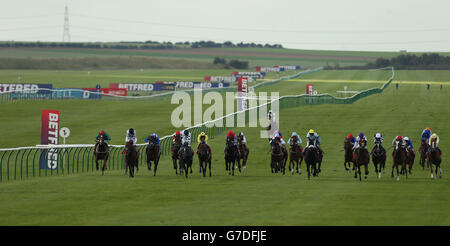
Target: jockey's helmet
{"points": [[241, 134], [361, 135], [399, 138], [177, 133], [102, 132], [377, 135], [186, 132], [311, 131], [294, 134], [230, 133], [350, 136], [428, 129], [406, 138], [131, 131]]}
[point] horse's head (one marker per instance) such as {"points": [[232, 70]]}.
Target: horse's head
{"points": [[240, 138], [101, 139], [433, 143]]}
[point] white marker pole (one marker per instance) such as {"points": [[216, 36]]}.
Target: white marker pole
{"points": [[64, 132]]}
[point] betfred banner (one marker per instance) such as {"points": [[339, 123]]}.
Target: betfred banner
{"points": [[220, 79], [27, 88], [290, 67], [49, 136], [242, 93]]}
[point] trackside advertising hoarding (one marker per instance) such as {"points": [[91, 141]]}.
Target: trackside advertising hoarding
{"points": [[276, 68], [49, 135], [254, 75], [26, 88], [242, 93], [220, 79], [167, 85]]}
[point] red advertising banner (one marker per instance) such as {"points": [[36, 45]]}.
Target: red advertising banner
{"points": [[242, 93], [49, 135], [114, 91], [309, 89], [49, 127]]}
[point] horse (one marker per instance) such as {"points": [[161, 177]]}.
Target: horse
{"points": [[311, 156], [231, 156], [243, 152], [101, 153], [186, 156], [378, 158], [295, 155], [131, 158], [399, 156], [176, 145], [204, 157], [278, 156], [348, 155], [410, 156], [434, 158], [153, 152], [362, 159], [423, 149]]}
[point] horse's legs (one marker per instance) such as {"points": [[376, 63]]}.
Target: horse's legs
{"points": [[398, 174], [431, 167], [356, 171], [366, 167], [308, 167], [105, 161]]}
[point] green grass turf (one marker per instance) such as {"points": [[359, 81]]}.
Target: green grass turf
{"points": [[255, 56], [254, 198]]}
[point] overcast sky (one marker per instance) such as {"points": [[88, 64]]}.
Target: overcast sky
{"points": [[382, 25]]}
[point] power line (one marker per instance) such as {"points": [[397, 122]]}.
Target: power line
{"points": [[66, 32], [264, 30]]}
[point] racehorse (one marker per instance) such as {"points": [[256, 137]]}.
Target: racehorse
{"points": [[153, 152], [311, 156], [362, 159], [295, 155], [410, 156], [399, 156], [434, 157], [348, 155], [101, 153], [378, 158], [423, 149], [174, 151], [204, 157], [231, 156], [278, 156], [243, 152], [131, 158], [186, 156]]}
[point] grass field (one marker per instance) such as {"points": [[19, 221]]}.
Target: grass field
{"points": [[255, 56], [256, 197]]}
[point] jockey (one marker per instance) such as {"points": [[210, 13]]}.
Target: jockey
{"points": [[244, 141], [186, 138], [313, 137], [434, 136], [203, 138], [352, 139], [378, 138], [408, 143], [360, 136], [277, 134], [399, 138], [131, 135], [296, 139], [105, 135], [153, 135], [231, 136], [426, 134], [177, 134]]}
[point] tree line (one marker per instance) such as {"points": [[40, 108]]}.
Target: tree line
{"points": [[426, 61], [230, 64], [134, 45]]}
